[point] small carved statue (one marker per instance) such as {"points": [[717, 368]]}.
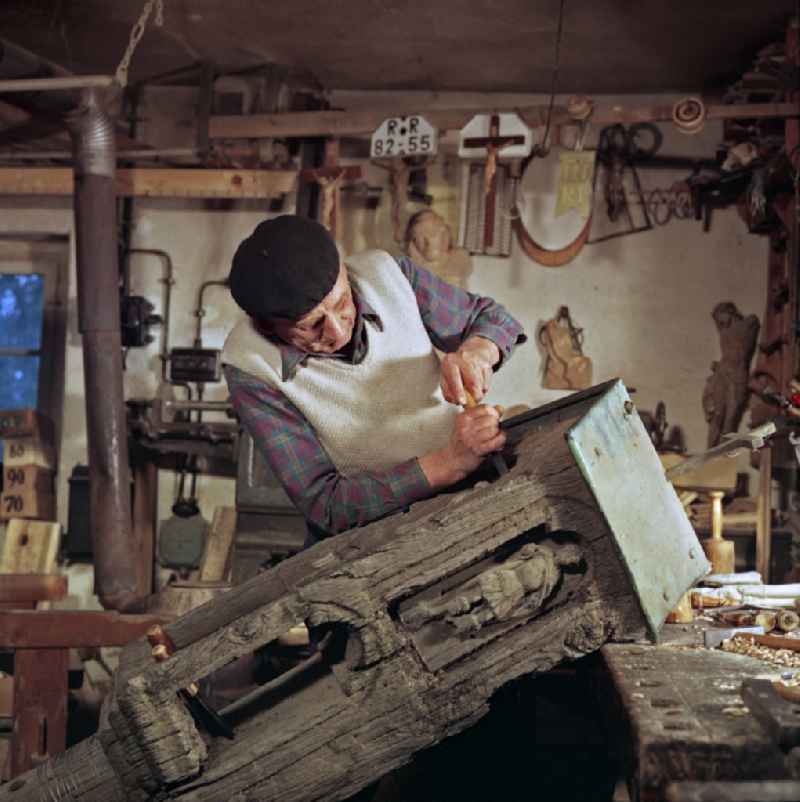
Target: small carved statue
{"points": [[519, 586], [566, 368], [725, 394], [429, 243]]}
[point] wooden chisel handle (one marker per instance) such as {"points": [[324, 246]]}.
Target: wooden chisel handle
{"points": [[496, 457]]}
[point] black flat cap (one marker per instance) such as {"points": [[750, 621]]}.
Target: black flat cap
{"points": [[284, 268]]}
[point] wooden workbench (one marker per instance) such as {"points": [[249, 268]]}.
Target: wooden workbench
{"points": [[678, 714]]}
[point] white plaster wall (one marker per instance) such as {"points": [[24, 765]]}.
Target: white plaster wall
{"points": [[644, 301]]}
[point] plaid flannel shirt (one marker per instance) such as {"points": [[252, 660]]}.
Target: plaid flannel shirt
{"points": [[330, 501]]}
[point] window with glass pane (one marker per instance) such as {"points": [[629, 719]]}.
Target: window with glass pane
{"points": [[21, 316]]}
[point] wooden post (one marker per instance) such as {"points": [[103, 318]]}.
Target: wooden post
{"points": [[216, 565], [40, 706], [764, 515], [145, 502]]}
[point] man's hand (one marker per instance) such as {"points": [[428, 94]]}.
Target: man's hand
{"points": [[475, 434], [469, 370]]}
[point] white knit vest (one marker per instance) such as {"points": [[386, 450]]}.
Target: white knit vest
{"points": [[381, 412]]}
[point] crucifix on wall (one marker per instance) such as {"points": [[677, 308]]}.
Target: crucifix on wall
{"points": [[491, 137], [330, 177]]}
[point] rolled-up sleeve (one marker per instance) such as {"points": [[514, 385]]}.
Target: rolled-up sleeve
{"points": [[451, 315]]}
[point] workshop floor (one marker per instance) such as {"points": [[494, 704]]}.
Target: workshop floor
{"points": [[542, 741]]}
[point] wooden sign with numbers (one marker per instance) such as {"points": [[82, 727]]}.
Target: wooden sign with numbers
{"points": [[28, 451], [404, 136], [27, 492]]}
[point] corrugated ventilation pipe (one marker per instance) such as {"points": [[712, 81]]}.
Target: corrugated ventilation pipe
{"points": [[119, 580]]}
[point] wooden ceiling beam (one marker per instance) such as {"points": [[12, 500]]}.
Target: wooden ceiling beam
{"points": [[155, 182], [355, 123]]}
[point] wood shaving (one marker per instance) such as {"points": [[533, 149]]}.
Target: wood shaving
{"points": [[780, 657], [739, 710]]}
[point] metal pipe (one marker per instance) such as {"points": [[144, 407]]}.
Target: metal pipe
{"points": [[167, 281], [121, 567], [200, 312], [208, 406], [56, 84]]}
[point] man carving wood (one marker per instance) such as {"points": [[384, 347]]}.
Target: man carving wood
{"points": [[335, 374]]}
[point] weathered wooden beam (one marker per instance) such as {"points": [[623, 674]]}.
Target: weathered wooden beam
{"points": [[430, 612], [53, 629], [154, 182], [32, 587], [354, 123]]}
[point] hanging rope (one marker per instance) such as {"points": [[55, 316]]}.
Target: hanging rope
{"points": [[137, 32], [543, 146]]}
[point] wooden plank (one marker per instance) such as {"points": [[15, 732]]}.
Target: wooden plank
{"points": [[154, 182], [354, 123], [32, 587], [216, 564], [75, 629], [40, 702], [716, 474], [30, 547]]}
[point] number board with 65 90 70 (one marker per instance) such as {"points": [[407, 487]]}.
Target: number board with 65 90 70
{"points": [[404, 136]]}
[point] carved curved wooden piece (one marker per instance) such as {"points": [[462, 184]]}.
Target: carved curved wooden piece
{"points": [[727, 388], [546, 256], [405, 680]]}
